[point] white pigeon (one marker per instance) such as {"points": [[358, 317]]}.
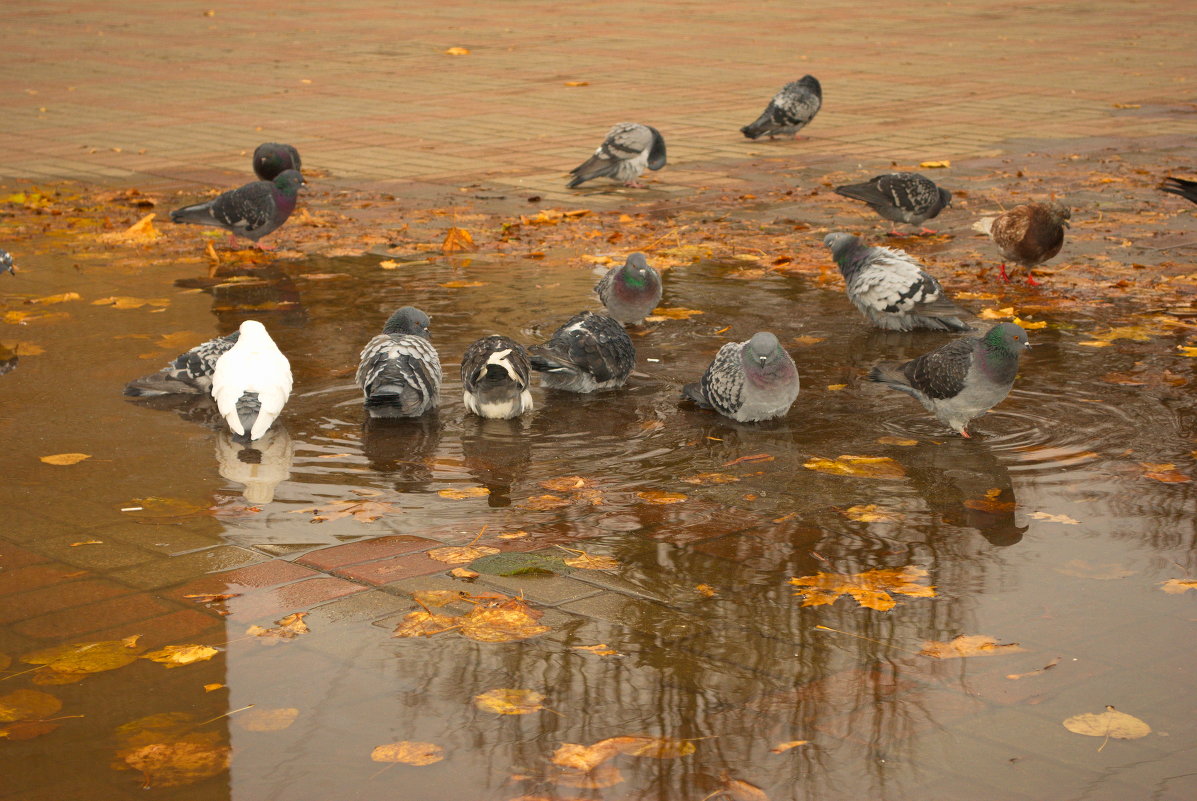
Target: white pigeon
{"points": [[251, 382]]}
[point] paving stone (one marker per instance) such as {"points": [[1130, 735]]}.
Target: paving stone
{"points": [[165, 572], [365, 551]]}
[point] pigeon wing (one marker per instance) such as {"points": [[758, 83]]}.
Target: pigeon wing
{"points": [[893, 283], [942, 373], [404, 369], [723, 382], [248, 210]]}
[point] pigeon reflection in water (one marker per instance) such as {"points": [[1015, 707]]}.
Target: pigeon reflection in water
{"points": [[260, 466], [403, 449], [496, 454]]}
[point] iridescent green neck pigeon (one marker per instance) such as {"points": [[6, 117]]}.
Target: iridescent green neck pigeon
{"points": [[631, 291], [748, 381], [252, 211]]}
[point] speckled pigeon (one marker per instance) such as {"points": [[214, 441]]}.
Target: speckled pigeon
{"points": [[748, 381], [400, 372], [272, 159], [188, 373], [251, 382], [962, 379], [1030, 234], [628, 149], [590, 352], [892, 289], [252, 211], [789, 111], [495, 375], [904, 197], [1179, 186], [631, 291], [6, 263]]}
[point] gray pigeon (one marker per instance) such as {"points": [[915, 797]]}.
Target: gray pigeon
{"points": [[400, 372], [904, 197], [963, 379], [6, 263], [789, 111], [251, 211], [495, 374], [272, 159], [748, 381], [1181, 187], [892, 289], [590, 352], [189, 373], [1030, 234], [628, 149], [630, 292]]}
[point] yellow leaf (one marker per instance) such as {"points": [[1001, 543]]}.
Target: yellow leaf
{"points": [[424, 624], [1095, 343], [87, 657], [1065, 519], [601, 649], [566, 483], [457, 240], [288, 628], [806, 339], [932, 165], [996, 314], [462, 284], [711, 478], [906, 443], [781, 748], [62, 459], [656, 747], [509, 702], [968, 645], [126, 302], [22, 348], [660, 496], [436, 598], [860, 466], [388, 264], [409, 753], [541, 503], [1110, 723], [1187, 350], [871, 513], [1165, 473], [178, 655], [1028, 325], [262, 718], [460, 554], [502, 624], [457, 51], [587, 561], [585, 758], [836, 387], [140, 232], [672, 314], [1127, 105], [27, 705], [179, 763], [705, 590], [870, 589], [214, 686], [1177, 586], [31, 316], [463, 573], [51, 299], [577, 83], [468, 492]]}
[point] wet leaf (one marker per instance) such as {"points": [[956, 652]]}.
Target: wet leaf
{"points": [[409, 753], [705, 590], [389, 264], [585, 561], [139, 233], [262, 718], [1165, 473], [460, 554], [836, 387], [1065, 519], [806, 339], [1029, 673], [968, 645], [996, 314], [52, 299], [566, 483], [586, 758], [600, 649], [660, 496], [739, 790], [22, 349], [214, 686], [781, 748], [126, 302], [657, 747], [663, 313], [991, 503], [467, 492], [422, 623], [870, 589], [287, 628], [462, 284], [26, 317], [361, 511], [1110, 723], [1187, 350], [212, 598], [27, 705], [756, 457], [1177, 586], [577, 83], [179, 763], [509, 702], [541, 503], [178, 655], [501, 624], [27, 729], [457, 240], [457, 51], [435, 598], [871, 513], [1083, 569], [711, 478], [63, 459], [905, 443], [859, 466], [87, 657], [934, 165]]}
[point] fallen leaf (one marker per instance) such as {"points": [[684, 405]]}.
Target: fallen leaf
{"points": [[859, 466], [214, 686], [660, 496], [1110, 723], [288, 627], [806, 339], [586, 758], [740, 790], [509, 702], [934, 165], [501, 624], [422, 623], [361, 511], [836, 387], [140, 232], [85, 542], [30, 316], [1187, 350], [457, 51], [656, 747], [179, 763], [756, 457], [27, 729], [63, 459], [1127, 105], [991, 503], [1177, 586], [262, 718], [212, 598], [389, 264], [968, 645], [27, 705], [1083, 569], [467, 492], [781, 748], [1028, 325], [178, 655], [711, 478], [462, 284], [587, 561], [457, 240], [566, 483], [87, 657], [541, 503], [905, 443], [1093, 343], [1165, 473], [871, 513], [463, 573], [577, 83], [996, 314], [672, 314], [52, 299], [460, 554], [1065, 519], [1029, 673], [409, 753], [871, 588], [22, 349], [127, 302], [601, 649], [435, 598], [705, 590]]}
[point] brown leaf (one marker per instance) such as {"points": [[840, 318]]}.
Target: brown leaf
{"points": [[178, 763], [88, 657], [871, 588], [541, 503], [463, 573], [566, 483], [178, 655], [967, 645], [705, 590], [807, 339], [509, 702], [27, 729], [577, 83], [421, 623], [711, 478], [1166, 473], [871, 513], [27, 705], [756, 457], [462, 284], [597, 779], [361, 511], [458, 240], [460, 554], [739, 790], [63, 459], [781, 748], [1110, 723], [660, 496], [859, 466], [601, 649], [466, 492], [409, 753], [139, 233], [502, 624], [435, 598]]}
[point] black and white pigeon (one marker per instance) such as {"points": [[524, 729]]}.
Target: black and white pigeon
{"points": [[748, 381], [188, 373], [904, 197], [892, 289], [631, 291], [400, 372], [6, 263], [789, 111], [1179, 186], [589, 353], [251, 211], [272, 159], [495, 373], [962, 379], [251, 382], [623, 156]]}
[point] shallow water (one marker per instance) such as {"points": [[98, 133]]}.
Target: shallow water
{"points": [[737, 673]]}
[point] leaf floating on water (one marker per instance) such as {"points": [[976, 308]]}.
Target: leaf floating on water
{"points": [[577, 83], [1065, 519], [262, 718], [467, 492], [460, 554], [968, 645], [542, 503], [27, 705], [601, 649], [422, 623], [585, 561], [990, 503], [506, 623], [1187, 350], [657, 747], [705, 590], [52, 299], [1177, 586], [871, 513], [63, 459], [139, 233], [661, 497], [31, 316], [870, 589], [663, 313], [179, 763], [87, 657], [781, 748], [859, 466], [458, 240], [711, 478], [361, 511], [1165, 473], [1110, 723], [214, 686], [287, 628], [836, 387], [457, 51], [1029, 673], [756, 457], [462, 284], [174, 656], [509, 702], [566, 483], [126, 302], [27, 729], [807, 339], [586, 758], [996, 314], [740, 790], [1083, 569], [435, 598]]}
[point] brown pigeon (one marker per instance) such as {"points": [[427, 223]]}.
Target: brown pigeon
{"points": [[1030, 234]]}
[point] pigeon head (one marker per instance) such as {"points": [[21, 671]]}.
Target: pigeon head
{"points": [[945, 198], [763, 350], [271, 159], [656, 153], [6, 263], [1059, 213], [842, 247], [635, 270], [252, 331], [408, 320], [289, 181], [1006, 339], [812, 83]]}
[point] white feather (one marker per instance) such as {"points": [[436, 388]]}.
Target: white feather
{"points": [[254, 364]]}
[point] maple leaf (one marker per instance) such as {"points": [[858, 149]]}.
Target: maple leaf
{"points": [[288, 628], [871, 588]]}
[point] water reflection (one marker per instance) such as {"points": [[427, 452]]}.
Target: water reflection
{"points": [[260, 466], [403, 449], [496, 454]]}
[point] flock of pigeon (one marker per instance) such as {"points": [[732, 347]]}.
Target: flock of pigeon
{"points": [[400, 372]]}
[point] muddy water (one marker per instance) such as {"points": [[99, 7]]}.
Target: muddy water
{"points": [[1043, 530]]}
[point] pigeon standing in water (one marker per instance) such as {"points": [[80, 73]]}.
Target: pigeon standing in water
{"points": [[963, 379], [1030, 234], [590, 352], [272, 159], [623, 156], [904, 197], [748, 381], [251, 211], [789, 111], [495, 372], [400, 372], [251, 382], [892, 289], [630, 292], [189, 373], [1179, 186], [6, 263]]}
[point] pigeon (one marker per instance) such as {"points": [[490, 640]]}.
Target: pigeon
{"points": [[251, 382], [495, 372], [590, 352], [400, 373], [892, 289], [1030, 234], [188, 373], [748, 381], [789, 111], [272, 159], [251, 211], [962, 379], [6, 264], [904, 197], [630, 292], [623, 155], [1179, 186]]}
